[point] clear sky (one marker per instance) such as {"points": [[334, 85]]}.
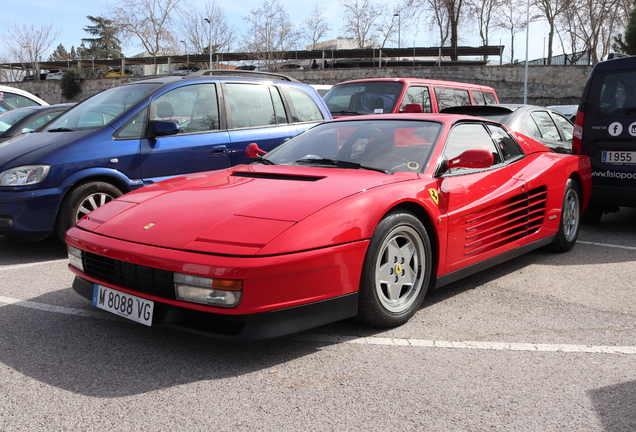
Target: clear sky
{"points": [[69, 17]]}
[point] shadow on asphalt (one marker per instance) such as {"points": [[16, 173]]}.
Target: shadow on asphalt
{"points": [[614, 406], [113, 357]]}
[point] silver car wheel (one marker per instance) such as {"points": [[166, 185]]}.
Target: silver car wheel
{"points": [[399, 269], [571, 215]]}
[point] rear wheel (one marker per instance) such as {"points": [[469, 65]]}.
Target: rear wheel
{"points": [[82, 200], [396, 271], [570, 219]]}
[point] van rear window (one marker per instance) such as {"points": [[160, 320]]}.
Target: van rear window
{"points": [[614, 94]]}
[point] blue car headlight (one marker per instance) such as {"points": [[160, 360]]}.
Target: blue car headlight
{"points": [[24, 175]]}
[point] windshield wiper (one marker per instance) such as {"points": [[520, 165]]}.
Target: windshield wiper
{"points": [[345, 113], [339, 164], [264, 161], [61, 129]]}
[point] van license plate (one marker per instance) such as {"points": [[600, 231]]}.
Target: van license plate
{"points": [[618, 157], [128, 306]]}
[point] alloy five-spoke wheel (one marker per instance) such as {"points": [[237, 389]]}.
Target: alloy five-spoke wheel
{"points": [[396, 271]]}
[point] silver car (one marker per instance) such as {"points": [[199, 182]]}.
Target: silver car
{"points": [[549, 127]]}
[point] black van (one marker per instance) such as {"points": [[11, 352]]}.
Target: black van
{"points": [[605, 129]]}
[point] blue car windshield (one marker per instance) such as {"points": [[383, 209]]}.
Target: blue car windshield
{"points": [[102, 108]]}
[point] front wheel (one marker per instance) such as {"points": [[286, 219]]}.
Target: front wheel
{"points": [[570, 219], [396, 272], [82, 200]]}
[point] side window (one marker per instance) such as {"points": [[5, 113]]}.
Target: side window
{"points": [[17, 101], [305, 109], [450, 97], [509, 148], [418, 95], [484, 97], [194, 108], [135, 128], [546, 126], [532, 127], [279, 108], [467, 137], [566, 127], [39, 122], [250, 105]]}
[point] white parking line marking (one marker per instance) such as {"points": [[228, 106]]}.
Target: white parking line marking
{"points": [[21, 266], [607, 245], [501, 346], [421, 343], [56, 309]]}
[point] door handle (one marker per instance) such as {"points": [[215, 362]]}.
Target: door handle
{"points": [[219, 150]]}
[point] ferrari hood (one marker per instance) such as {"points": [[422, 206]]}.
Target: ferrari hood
{"points": [[235, 211]]}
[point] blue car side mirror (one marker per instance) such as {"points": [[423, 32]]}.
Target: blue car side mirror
{"points": [[164, 128]]}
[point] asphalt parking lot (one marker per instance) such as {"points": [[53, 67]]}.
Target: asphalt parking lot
{"points": [[545, 342]]}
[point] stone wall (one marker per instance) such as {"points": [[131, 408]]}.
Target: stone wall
{"points": [[547, 85]]}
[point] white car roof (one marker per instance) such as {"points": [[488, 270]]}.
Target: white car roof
{"points": [[7, 89]]}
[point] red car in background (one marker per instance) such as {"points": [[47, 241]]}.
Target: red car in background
{"points": [[354, 217], [403, 95]]}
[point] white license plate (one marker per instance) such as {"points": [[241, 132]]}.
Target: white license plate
{"points": [[129, 306], [618, 157]]}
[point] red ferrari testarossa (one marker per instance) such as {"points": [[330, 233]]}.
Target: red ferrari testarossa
{"points": [[355, 217]]}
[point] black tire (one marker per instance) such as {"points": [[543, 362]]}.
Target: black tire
{"points": [[80, 201], [570, 220], [592, 214], [396, 271]]}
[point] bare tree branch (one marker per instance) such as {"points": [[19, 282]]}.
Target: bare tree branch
{"points": [[28, 43], [270, 33], [206, 31], [360, 18], [149, 22], [315, 26]]}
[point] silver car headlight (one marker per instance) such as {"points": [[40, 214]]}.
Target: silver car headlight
{"points": [[24, 175]]}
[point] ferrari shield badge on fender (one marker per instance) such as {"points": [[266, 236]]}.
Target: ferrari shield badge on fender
{"points": [[150, 225], [434, 196]]}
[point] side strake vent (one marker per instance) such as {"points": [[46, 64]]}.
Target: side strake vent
{"points": [[511, 220], [276, 176]]}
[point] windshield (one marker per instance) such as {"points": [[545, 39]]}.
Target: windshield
{"points": [[373, 97], [10, 118], [102, 108], [386, 145]]}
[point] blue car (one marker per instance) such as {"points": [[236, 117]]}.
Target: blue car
{"points": [[140, 133]]}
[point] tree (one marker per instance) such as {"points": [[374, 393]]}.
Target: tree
{"points": [[270, 33], [448, 15], [28, 43], [391, 24], [105, 44], [206, 31], [360, 18], [60, 54], [551, 11], [484, 12], [626, 42], [513, 19], [149, 22], [315, 26]]}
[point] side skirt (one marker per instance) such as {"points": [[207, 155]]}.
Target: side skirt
{"points": [[490, 262]]}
